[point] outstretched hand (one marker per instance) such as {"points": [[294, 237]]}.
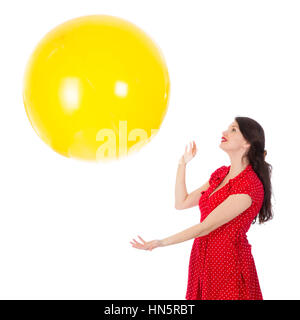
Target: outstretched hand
{"points": [[146, 245]]}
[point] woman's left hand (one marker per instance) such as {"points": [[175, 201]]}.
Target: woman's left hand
{"points": [[146, 245]]}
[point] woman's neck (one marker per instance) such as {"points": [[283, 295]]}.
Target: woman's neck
{"points": [[236, 167]]}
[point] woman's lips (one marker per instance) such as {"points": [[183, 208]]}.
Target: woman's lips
{"points": [[223, 140]]}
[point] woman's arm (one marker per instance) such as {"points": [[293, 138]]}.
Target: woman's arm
{"points": [[183, 200], [223, 213], [180, 186], [193, 198]]}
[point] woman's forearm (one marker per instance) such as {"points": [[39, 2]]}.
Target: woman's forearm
{"points": [[180, 186], [195, 231]]}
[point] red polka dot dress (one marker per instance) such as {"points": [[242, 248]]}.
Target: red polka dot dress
{"points": [[221, 265]]}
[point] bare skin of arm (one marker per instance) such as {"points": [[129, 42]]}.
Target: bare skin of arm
{"points": [[183, 200], [223, 213]]}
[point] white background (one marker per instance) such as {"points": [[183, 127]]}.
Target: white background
{"points": [[65, 225]]}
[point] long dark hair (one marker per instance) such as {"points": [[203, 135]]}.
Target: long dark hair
{"points": [[254, 134]]}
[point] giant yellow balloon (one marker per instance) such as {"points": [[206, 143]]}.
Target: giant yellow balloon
{"points": [[96, 88]]}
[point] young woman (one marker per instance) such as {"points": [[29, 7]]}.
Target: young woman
{"points": [[221, 265]]}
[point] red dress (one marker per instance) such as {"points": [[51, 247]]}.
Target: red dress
{"points": [[221, 265]]}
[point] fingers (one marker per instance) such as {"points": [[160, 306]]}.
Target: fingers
{"points": [[135, 243], [186, 148], [141, 239], [144, 246], [138, 245], [192, 147]]}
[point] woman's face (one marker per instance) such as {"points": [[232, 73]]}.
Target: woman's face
{"points": [[234, 139]]}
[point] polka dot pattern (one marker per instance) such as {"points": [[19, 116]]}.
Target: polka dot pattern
{"points": [[221, 265]]}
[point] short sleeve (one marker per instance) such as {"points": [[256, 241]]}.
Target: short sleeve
{"points": [[217, 174], [253, 188]]}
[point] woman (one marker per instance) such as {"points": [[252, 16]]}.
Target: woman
{"points": [[221, 265]]}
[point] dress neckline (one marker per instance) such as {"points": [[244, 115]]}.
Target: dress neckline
{"points": [[223, 177]]}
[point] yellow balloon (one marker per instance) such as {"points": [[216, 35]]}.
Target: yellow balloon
{"points": [[96, 88]]}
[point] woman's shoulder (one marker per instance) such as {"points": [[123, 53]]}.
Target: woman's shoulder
{"points": [[251, 182]]}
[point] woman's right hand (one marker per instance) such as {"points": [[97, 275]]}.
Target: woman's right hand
{"points": [[189, 154]]}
